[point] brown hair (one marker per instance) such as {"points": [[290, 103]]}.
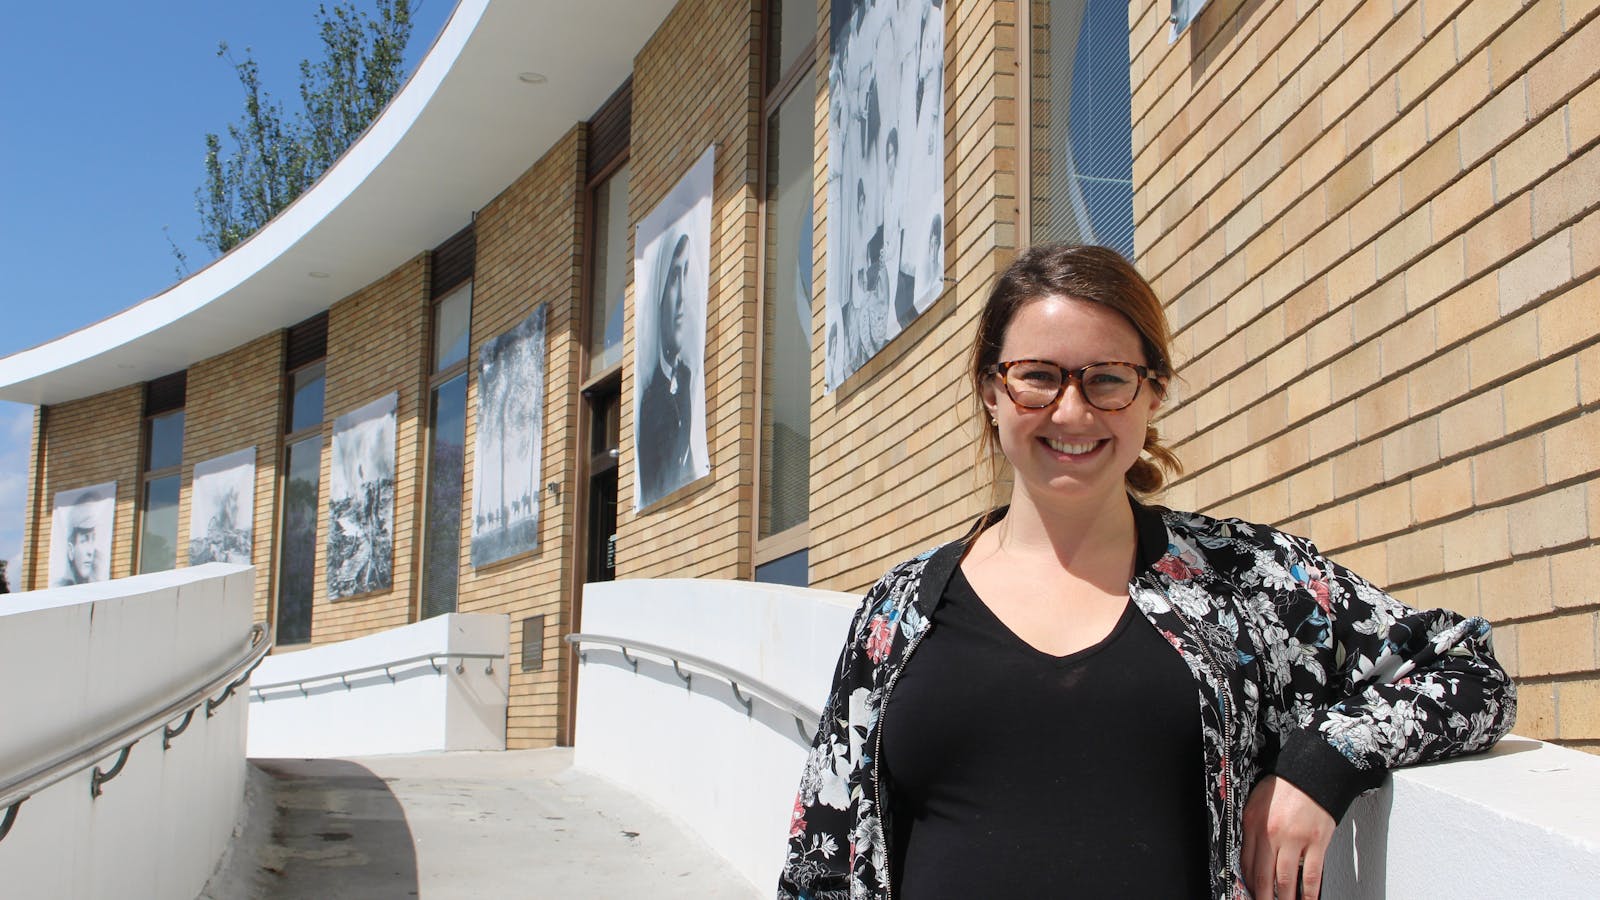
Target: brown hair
{"points": [[1097, 275]]}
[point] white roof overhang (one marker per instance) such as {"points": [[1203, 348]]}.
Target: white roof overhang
{"points": [[463, 128]]}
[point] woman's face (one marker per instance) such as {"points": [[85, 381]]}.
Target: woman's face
{"points": [[1070, 451]]}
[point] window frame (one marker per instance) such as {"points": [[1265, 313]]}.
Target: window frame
{"points": [[436, 379], [148, 475], [610, 379], [1025, 124], [287, 441], [798, 537]]}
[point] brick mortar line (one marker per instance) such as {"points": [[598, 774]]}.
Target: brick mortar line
{"points": [[1400, 114], [1495, 384], [1534, 305], [1513, 559], [1236, 42], [1311, 278], [1556, 679], [1444, 462], [1266, 138]]}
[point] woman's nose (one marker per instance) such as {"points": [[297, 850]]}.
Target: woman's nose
{"points": [[1072, 406]]}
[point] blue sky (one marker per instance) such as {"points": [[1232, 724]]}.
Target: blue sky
{"points": [[105, 106]]}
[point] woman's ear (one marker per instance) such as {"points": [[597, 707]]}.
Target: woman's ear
{"points": [[991, 392], [1158, 396]]}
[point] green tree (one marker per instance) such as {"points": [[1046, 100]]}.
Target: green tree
{"points": [[274, 155]]}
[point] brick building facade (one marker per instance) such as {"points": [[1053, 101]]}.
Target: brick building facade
{"points": [[1376, 224]]}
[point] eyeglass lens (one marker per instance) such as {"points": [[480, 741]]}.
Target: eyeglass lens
{"points": [[1107, 386]]}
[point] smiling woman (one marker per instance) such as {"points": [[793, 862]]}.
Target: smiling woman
{"points": [[1047, 733]]}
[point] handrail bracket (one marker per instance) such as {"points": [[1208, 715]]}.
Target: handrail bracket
{"points": [[100, 777]]}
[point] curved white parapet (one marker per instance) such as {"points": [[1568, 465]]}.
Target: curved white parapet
{"points": [[692, 749], [75, 661], [1521, 821], [462, 129], [397, 703]]}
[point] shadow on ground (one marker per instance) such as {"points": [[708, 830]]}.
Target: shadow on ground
{"points": [[336, 831], [460, 826]]}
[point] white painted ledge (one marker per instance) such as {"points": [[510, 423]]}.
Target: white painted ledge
{"points": [[1522, 820], [425, 705], [76, 661]]}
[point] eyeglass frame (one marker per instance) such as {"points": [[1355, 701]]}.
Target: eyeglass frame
{"points": [[1068, 376]]}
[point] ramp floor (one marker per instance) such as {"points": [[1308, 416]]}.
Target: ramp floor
{"points": [[517, 824]]}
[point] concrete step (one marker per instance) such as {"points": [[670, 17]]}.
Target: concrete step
{"points": [[517, 824]]}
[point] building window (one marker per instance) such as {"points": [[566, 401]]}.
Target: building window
{"points": [[447, 435], [785, 440], [610, 272], [302, 487], [1081, 129], [163, 473]]}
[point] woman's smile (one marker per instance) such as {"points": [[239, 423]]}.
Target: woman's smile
{"points": [[1074, 449]]}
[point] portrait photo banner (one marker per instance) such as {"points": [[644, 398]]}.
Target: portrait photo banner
{"points": [[222, 506], [81, 523], [361, 500], [885, 175], [671, 270], [507, 450]]}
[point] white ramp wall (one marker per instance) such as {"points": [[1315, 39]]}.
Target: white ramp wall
{"points": [[77, 661], [1521, 821], [691, 748], [412, 707]]}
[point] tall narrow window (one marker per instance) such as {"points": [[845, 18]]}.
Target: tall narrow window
{"points": [[606, 276], [447, 434], [297, 556], [1081, 128], [163, 473], [785, 441], [610, 272], [302, 480]]}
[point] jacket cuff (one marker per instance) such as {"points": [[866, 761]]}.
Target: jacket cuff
{"points": [[1309, 763]]}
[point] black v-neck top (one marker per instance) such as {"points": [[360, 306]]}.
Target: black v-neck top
{"points": [[1015, 773]]}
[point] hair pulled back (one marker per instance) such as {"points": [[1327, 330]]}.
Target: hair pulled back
{"points": [[1096, 275]]}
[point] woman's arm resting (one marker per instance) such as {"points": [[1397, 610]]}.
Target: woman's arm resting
{"points": [[1397, 686]]}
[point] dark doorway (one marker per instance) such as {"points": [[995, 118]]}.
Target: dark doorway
{"points": [[605, 422]]}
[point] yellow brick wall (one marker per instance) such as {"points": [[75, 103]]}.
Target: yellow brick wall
{"points": [[378, 344], [90, 441], [1375, 227], [233, 402], [33, 514], [527, 240], [695, 85], [893, 448]]}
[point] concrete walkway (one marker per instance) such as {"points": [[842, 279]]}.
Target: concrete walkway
{"points": [[519, 824]]}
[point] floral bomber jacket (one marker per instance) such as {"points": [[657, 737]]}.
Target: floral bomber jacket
{"points": [[1302, 669]]}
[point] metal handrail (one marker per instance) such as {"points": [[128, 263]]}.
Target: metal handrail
{"points": [[122, 738], [344, 676], [805, 717]]}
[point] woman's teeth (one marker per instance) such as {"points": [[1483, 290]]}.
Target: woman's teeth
{"points": [[1071, 449]]}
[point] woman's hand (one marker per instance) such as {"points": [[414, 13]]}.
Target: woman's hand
{"points": [[1286, 836]]}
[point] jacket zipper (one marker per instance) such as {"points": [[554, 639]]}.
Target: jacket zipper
{"points": [[1227, 742], [877, 755]]}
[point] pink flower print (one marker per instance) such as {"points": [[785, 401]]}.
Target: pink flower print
{"points": [[1175, 568], [797, 819], [879, 636], [1319, 590]]}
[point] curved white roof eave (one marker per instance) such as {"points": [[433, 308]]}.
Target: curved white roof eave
{"points": [[460, 131]]}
